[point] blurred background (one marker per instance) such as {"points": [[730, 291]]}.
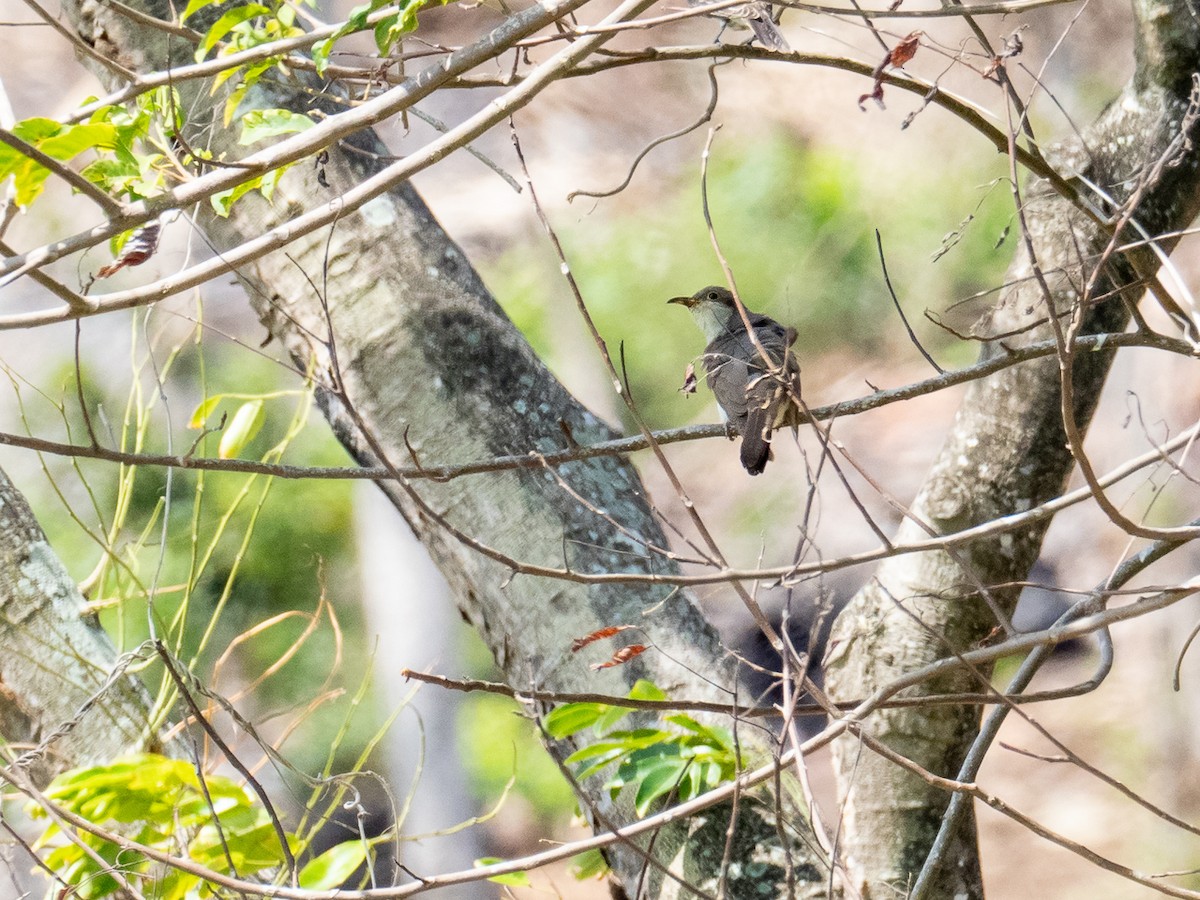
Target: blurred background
{"points": [[320, 580]]}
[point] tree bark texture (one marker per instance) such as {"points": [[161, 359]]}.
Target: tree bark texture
{"points": [[60, 690], [1006, 452]]}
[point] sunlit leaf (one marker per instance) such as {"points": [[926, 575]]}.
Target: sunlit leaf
{"points": [[589, 864], [259, 124], [572, 718], [334, 866], [514, 879], [204, 410], [242, 428], [194, 6], [226, 24], [646, 690]]}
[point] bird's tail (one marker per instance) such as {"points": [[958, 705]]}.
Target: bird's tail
{"points": [[756, 441], [768, 32]]}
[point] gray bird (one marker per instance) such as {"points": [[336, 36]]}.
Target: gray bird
{"points": [[757, 15], [756, 396]]}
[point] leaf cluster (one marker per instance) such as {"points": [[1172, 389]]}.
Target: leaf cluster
{"points": [[679, 762], [112, 133], [160, 803], [386, 30]]}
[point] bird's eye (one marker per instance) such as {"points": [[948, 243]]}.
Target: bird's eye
{"points": [[712, 295]]}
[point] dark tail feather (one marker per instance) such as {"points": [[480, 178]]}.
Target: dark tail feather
{"points": [[756, 442], [768, 32]]}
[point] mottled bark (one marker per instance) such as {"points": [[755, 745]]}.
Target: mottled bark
{"points": [[57, 661], [1007, 451]]}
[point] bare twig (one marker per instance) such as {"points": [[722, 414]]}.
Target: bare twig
{"points": [[887, 280]]}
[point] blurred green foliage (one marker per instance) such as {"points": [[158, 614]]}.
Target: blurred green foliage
{"points": [[501, 746]]}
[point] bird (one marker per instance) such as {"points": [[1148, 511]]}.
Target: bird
{"points": [[757, 15], [756, 396]]}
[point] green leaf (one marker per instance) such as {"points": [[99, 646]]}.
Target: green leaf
{"points": [[599, 761], [154, 799], [334, 866], [242, 428], [270, 181], [386, 32], [715, 737], [646, 690], [37, 129], [588, 864], [72, 141], [320, 54], [226, 24], [260, 124], [515, 879], [204, 410], [221, 77], [613, 715], [194, 6], [249, 77], [598, 749], [357, 20], [658, 780], [62, 142], [572, 718], [222, 201], [656, 770]]}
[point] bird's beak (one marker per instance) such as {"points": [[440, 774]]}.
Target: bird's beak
{"points": [[686, 301]]}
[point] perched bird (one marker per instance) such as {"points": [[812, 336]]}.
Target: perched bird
{"points": [[756, 395], [757, 15]]}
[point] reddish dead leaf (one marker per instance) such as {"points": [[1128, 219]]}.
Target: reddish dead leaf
{"points": [[139, 248], [895, 59], [689, 380], [905, 50], [624, 655], [598, 635]]}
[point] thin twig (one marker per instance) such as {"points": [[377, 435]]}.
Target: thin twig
{"points": [[887, 280], [705, 116]]}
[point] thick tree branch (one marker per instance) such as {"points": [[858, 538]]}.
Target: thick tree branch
{"points": [[1007, 452]]}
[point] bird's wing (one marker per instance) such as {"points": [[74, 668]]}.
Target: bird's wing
{"points": [[755, 398], [775, 392], [727, 374]]}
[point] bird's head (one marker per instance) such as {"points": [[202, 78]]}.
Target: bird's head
{"points": [[713, 308]]}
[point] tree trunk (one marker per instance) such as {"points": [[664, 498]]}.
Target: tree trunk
{"points": [[1006, 452], [60, 688]]}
